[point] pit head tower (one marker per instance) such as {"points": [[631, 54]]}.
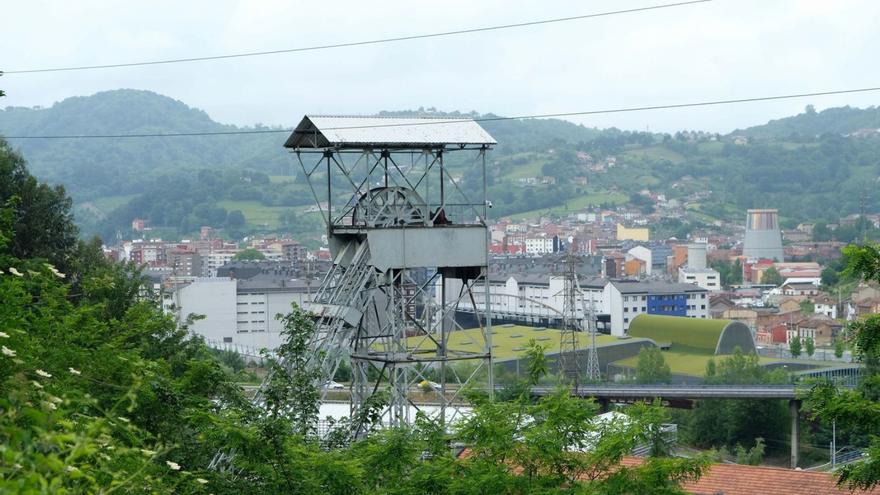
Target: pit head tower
{"points": [[405, 207]]}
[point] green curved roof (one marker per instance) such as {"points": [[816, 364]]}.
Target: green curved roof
{"points": [[697, 333]]}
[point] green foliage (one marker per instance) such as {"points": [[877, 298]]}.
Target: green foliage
{"points": [[857, 410], [807, 307], [753, 456], [809, 346], [41, 214], [249, 254], [863, 261], [730, 272], [652, 367], [102, 392], [839, 347], [771, 276], [726, 423], [795, 347]]}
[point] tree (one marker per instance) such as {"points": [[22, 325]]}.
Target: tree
{"points": [[235, 219], [717, 423], [249, 254], [839, 347], [807, 307], [809, 346], [857, 410], [795, 347], [43, 220], [652, 367], [771, 276], [752, 456]]}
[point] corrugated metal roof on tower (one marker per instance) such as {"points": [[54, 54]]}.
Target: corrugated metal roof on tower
{"points": [[385, 132]]}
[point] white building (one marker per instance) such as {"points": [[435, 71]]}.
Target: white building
{"points": [[696, 270], [240, 311], [706, 278], [539, 245], [215, 258], [825, 306], [624, 300], [538, 299]]}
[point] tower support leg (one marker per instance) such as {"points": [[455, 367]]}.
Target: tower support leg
{"points": [[794, 407]]}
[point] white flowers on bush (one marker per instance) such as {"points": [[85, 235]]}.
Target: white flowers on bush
{"points": [[202, 480], [7, 351], [43, 374], [4, 335], [74, 371], [15, 272], [173, 465]]}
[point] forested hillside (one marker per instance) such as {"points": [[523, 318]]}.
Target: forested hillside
{"points": [[813, 166]]}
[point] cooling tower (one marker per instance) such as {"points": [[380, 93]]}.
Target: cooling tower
{"points": [[763, 239]]}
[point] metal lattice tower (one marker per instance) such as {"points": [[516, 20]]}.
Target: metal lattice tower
{"points": [[592, 369], [570, 365], [408, 247]]}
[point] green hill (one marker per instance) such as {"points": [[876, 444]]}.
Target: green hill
{"points": [[805, 165], [841, 120]]}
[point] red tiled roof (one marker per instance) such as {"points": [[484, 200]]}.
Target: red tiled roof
{"points": [[736, 479]]}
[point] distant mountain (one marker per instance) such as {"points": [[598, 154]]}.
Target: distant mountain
{"points": [[807, 165], [841, 120], [91, 168]]}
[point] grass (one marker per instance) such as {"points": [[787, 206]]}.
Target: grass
{"points": [[574, 205], [693, 362], [656, 153], [281, 179], [107, 204], [508, 342], [255, 213], [532, 169]]}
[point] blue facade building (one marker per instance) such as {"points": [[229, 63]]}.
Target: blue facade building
{"points": [[667, 304]]}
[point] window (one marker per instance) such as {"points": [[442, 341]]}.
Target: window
{"points": [[227, 340], [702, 296], [644, 298], [643, 308], [241, 331], [626, 320], [626, 310], [702, 306], [242, 312]]}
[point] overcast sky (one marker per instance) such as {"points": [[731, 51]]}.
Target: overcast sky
{"points": [[718, 50]]}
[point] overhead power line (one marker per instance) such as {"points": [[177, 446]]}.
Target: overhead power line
{"points": [[452, 121], [357, 43]]}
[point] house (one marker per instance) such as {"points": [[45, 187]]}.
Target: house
{"points": [[790, 305], [718, 304], [800, 289], [867, 306], [825, 305], [822, 329], [748, 316]]}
